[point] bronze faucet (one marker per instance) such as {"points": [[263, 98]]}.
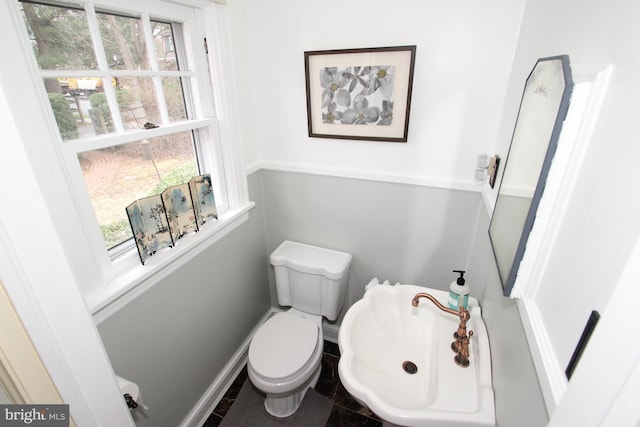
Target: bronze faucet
{"points": [[461, 345]]}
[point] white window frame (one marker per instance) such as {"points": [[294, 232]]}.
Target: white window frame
{"points": [[108, 284]]}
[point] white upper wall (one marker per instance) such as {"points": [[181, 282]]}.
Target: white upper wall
{"points": [[601, 222], [464, 54]]}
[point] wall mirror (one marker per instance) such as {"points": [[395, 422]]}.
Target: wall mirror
{"points": [[543, 108]]}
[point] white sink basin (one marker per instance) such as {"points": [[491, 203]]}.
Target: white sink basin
{"points": [[382, 331]]}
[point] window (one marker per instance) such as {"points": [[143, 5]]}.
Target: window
{"points": [[108, 74], [114, 99]]}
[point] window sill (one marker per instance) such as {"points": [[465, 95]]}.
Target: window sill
{"points": [[125, 288]]}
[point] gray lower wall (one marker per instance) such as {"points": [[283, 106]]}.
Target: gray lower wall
{"points": [[518, 397], [417, 235], [176, 338], [396, 232], [411, 234]]}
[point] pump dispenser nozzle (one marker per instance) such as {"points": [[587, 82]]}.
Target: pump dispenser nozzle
{"points": [[458, 292], [460, 280]]}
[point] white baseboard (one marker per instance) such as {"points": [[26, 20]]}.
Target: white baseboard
{"points": [[552, 380], [330, 332], [215, 392]]}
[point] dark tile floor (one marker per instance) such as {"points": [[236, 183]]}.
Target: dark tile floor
{"points": [[345, 412]]}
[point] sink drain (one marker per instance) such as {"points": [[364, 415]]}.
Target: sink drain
{"points": [[409, 367]]}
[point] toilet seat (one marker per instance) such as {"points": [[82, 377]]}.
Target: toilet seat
{"points": [[283, 346]]}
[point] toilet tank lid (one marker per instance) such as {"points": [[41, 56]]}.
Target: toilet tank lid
{"points": [[311, 259]]}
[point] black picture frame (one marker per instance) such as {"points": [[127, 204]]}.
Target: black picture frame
{"points": [[360, 94]]}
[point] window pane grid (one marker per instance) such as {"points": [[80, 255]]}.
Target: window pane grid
{"points": [[114, 110], [96, 40], [151, 51], [157, 81], [137, 86], [136, 113]]}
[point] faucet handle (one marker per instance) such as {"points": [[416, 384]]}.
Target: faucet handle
{"points": [[462, 327], [462, 358], [464, 315]]}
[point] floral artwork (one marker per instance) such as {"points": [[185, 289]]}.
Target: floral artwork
{"points": [[360, 93]]}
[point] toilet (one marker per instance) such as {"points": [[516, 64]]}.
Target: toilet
{"points": [[285, 353]]}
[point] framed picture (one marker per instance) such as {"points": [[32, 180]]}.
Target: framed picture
{"points": [[360, 93]]}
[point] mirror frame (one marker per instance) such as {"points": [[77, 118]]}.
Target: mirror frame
{"points": [[509, 281]]}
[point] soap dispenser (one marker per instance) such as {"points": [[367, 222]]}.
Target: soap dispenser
{"points": [[458, 292]]}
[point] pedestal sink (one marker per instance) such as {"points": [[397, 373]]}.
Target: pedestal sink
{"points": [[397, 360]]}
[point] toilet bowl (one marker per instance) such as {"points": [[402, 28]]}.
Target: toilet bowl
{"points": [[285, 354], [285, 360]]}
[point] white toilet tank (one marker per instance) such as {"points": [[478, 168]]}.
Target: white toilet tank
{"points": [[311, 279]]}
